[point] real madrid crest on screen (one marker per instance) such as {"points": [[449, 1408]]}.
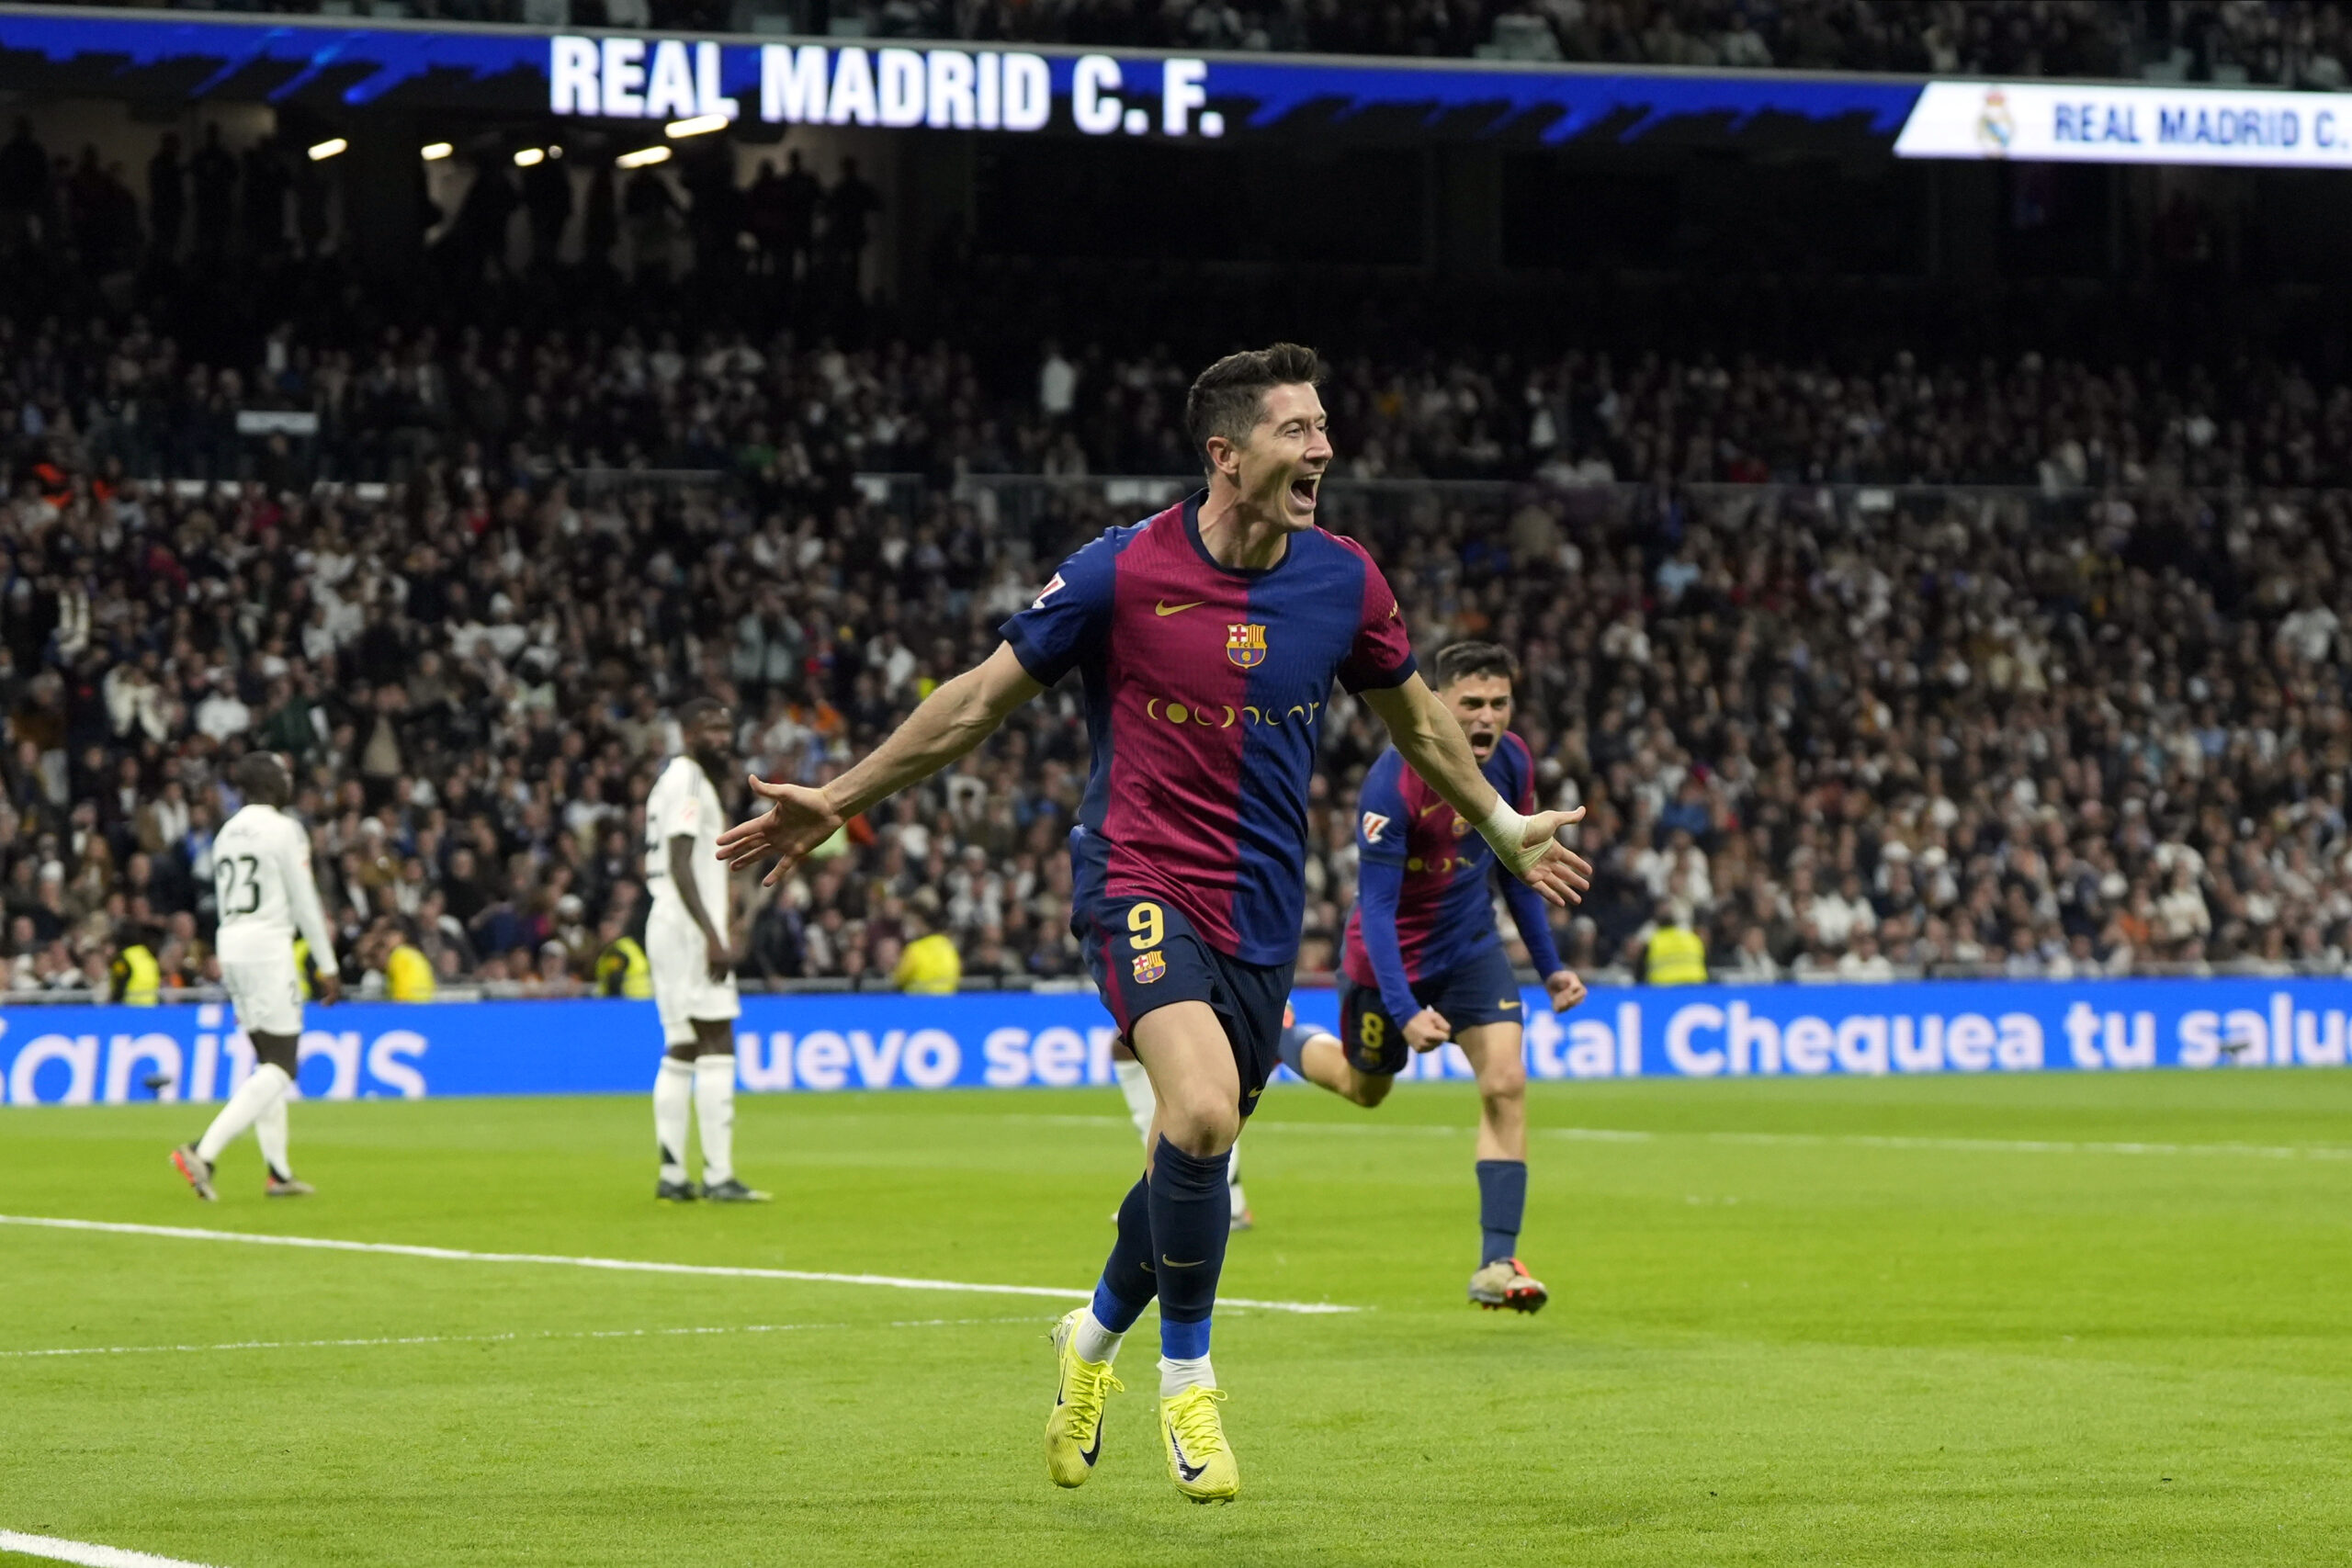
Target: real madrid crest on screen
{"points": [[1245, 644], [1149, 966]]}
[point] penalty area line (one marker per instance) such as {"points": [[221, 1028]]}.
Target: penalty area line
{"points": [[85, 1552], [510, 1338], [619, 1265]]}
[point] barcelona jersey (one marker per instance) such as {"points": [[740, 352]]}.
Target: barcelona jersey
{"points": [[1422, 878], [1207, 692]]}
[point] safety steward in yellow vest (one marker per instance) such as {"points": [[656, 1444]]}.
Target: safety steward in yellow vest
{"points": [[138, 977], [622, 968], [1677, 955]]}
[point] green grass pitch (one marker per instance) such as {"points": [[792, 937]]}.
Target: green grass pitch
{"points": [[2038, 1320]]}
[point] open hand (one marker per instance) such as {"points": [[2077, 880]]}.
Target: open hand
{"points": [[1561, 875], [798, 820]]}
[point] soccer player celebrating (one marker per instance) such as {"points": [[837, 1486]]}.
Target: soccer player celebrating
{"points": [[261, 875], [1422, 963], [1208, 637], [693, 966]]}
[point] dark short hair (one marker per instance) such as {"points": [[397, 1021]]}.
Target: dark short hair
{"points": [[1230, 396], [697, 709], [1462, 661], [259, 777]]}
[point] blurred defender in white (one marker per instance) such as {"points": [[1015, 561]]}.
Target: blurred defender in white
{"points": [[693, 964], [261, 877]]}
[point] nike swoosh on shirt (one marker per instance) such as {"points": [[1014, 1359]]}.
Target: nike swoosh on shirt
{"points": [[1507, 1007], [1165, 608]]}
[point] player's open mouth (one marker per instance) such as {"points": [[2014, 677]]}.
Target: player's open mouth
{"points": [[1302, 491]]}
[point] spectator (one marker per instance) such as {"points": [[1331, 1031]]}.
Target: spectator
{"points": [[1674, 955], [930, 965]]}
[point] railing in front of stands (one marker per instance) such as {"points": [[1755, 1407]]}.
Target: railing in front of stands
{"points": [[511, 990]]}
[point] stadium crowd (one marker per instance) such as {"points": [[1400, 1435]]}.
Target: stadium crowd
{"points": [[2043, 729], [2283, 42], [796, 420]]}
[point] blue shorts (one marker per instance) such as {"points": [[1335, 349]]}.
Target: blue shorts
{"points": [[1144, 954], [1479, 990]]}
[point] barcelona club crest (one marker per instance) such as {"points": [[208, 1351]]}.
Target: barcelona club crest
{"points": [[1245, 644], [1151, 967]]}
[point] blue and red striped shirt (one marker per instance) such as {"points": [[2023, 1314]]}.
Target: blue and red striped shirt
{"points": [[1206, 690], [1422, 880]]}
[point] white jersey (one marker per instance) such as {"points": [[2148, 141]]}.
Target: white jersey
{"points": [[684, 805], [261, 874]]}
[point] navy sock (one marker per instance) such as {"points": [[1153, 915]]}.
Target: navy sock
{"points": [[1192, 1218], [1128, 1282], [1291, 1047], [1502, 1200]]}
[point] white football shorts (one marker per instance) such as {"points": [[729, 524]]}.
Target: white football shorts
{"points": [[682, 988], [267, 993]]}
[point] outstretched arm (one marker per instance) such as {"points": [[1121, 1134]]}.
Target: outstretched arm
{"points": [[951, 721], [1432, 742]]}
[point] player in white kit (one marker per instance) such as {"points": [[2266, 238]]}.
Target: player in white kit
{"points": [[261, 874], [693, 964]]}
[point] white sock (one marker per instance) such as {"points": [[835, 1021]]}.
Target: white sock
{"points": [[1175, 1377], [715, 1113], [269, 1131], [267, 1083], [674, 1088], [1135, 1084], [1092, 1342], [1233, 1179]]}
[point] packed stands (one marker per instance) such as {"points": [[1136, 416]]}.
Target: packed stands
{"points": [[2088, 715]]}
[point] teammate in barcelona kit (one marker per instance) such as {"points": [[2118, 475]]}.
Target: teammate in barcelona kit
{"points": [[693, 966], [261, 877], [1422, 963], [1208, 637]]}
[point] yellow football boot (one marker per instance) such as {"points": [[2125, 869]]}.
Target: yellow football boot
{"points": [[1074, 1429], [1200, 1462]]}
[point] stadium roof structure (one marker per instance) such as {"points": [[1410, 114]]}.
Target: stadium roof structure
{"points": [[334, 65]]}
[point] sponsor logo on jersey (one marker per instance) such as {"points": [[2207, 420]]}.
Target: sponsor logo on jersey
{"points": [[1375, 824], [1165, 608], [1225, 715], [1245, 643], [1151, 967]]}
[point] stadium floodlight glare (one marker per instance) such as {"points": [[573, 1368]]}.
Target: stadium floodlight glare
{"points": [[700, 125], [642, 157], [529, 156], [321, 152], [433, 152]]}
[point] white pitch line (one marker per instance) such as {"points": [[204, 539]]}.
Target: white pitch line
{"points": [[1859, 1140], [621, 1265], [86, 1554], [490, 1339]]}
